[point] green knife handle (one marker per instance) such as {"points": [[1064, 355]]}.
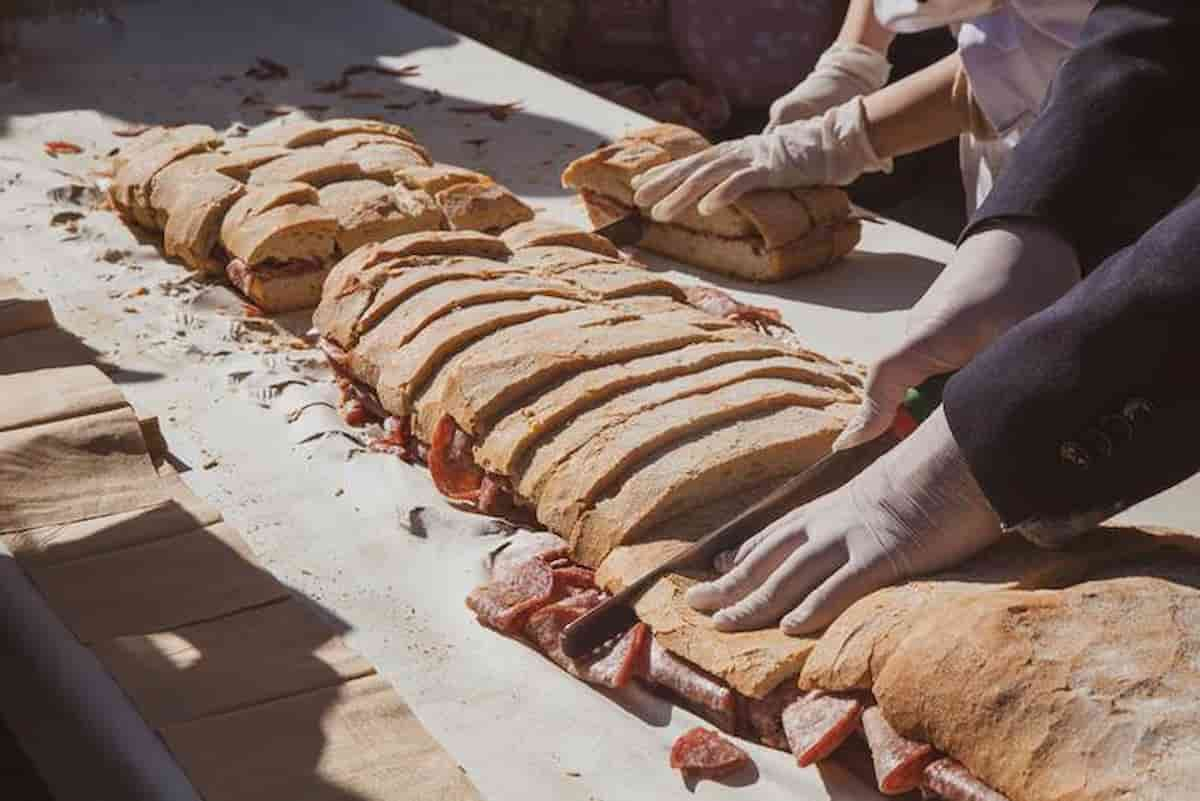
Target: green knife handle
{"points": [[919, 403]]}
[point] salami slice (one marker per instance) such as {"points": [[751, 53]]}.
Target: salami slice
{"points": [[613, 666], [522, 547], [573, 576], [764, 716], [705, 694], [949, 779], [507, 603], [704, 754], [817, 723], [899, 762], [719, 303], [452, 464]]}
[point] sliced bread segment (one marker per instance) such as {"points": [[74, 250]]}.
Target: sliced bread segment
{"points": [[509, 439], [543, 233], [297, 132], [555, 450], [405, 373], [484, 206], [608, 456], [370, 211], [711, 462]]}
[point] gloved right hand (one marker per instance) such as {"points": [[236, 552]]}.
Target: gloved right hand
{"points": [[997, 278], [843, 72]]}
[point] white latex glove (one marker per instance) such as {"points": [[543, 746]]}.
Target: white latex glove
{"points": [[911, 16], [843, 72], [997, 278], [915, 511], [830, 150]]}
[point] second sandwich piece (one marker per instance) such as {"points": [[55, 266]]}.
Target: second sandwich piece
{"points": [[769, 235]]}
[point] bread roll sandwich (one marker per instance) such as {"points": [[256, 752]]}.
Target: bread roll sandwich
{"points": [[769, 235], [273, 211]]}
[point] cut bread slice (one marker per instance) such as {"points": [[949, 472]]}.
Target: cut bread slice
{"points": [[158, 135], [607, 457], [436, 177], [486, 384], [508, 441], [485, 206], [405, 373], [552, 259], [765, 235], [279, 223], [745, 257], [279, 287], [240, 160], [619, 279], [354, 141], [555, 450], [382, 162], [752, 662], [370, 211], [407, 320], [298, 132], [132, 183], [194, 220], [315, 166], [174, 181], [430, 405], [542, 233], [711, 461]]}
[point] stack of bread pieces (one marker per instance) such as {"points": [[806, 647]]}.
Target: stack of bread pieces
{"points": [[274, 210], [540, 375], [768, 235]]}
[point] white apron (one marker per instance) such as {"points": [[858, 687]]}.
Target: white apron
{"points": [[1010, 50]]}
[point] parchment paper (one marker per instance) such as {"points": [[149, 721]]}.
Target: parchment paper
{"points": [[360, 533]]}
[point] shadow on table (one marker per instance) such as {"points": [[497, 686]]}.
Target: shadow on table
{"points": [[171, 61], [864, 281]]}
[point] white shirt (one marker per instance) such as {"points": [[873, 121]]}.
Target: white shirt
{"points": [[1010, 50]]}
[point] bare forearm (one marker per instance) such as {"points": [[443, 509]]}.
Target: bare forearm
{"points": [[916, 112], [861, 27]]}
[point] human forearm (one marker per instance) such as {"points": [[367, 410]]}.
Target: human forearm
{"points": [[862, 27], [916, 112]]}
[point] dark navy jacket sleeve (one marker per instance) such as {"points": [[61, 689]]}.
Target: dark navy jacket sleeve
{"points": [[1094, 404], [1115, 145]]}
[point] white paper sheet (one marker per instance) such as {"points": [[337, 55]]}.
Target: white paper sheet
{"points": [[333, 525]]}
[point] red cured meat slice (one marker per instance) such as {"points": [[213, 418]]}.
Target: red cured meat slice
{"points": [[950, 779], [506, 604], [764, 716], [522, 547], [705, 754], [721, 304], [452, 464], [573, 576], [708, 695], [899, 762], [818, 723], [613, 667]]}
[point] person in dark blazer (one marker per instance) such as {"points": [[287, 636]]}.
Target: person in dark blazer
{"points": [[1071, 311]]}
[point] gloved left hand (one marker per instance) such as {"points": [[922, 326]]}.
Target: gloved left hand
{"points": [[916, 510], [830, 150]]}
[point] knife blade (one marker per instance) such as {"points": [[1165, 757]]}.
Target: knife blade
{"points": [[616, 613], [626, 231]]}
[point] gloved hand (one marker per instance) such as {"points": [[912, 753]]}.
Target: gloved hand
{"points": [[843, 72], [830, 150], [915, 511], [997, 278]]}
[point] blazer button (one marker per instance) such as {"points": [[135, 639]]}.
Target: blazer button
{"points": [[1118, 427], [1137, 411], [1074, 453], [1097, 442]]}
